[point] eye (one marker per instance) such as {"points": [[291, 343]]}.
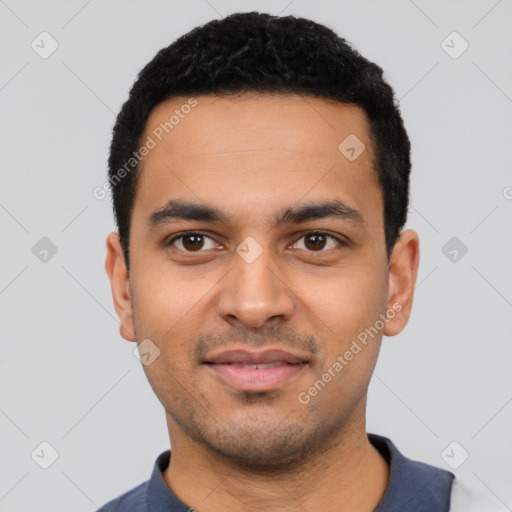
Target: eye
{"points": [[192, 241], [195, 241], [316, 241]]}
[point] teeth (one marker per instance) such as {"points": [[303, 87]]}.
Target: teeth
{"points": [[264, 366], [260, 366]]}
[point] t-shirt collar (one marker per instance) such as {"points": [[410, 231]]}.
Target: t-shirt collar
{"points": [[413, 485]]}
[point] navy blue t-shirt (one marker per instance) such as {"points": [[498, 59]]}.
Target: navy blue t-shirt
{"points": [[413, 486]]}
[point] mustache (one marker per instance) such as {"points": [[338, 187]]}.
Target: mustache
{"points": [[266, 336]]}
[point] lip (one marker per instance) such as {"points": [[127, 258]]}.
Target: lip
{"points": [[244, 356], [285, 366]]}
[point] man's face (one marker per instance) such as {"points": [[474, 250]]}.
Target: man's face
{"points": [[256, 280]]}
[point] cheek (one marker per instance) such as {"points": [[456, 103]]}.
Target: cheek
{"points": [[169, 309], [343, 311], [165, 299], [345, 302]]}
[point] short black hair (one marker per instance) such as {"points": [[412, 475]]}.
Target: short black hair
{"points": [[258, 52]]}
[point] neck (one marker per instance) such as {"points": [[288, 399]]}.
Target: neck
{"points": [[350, 475]]}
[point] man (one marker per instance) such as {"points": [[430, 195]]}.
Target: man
{"points": [[260, 179]]}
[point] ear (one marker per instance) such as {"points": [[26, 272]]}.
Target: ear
{"points": [[115, 266], [403, 270]]}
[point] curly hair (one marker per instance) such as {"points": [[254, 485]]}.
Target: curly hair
{"points": [[262, 53]]}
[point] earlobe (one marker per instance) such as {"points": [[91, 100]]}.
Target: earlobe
{"points": [[115, 267], [403, 271]]}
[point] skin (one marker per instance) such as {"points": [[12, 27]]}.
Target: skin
{"points": [[252, 156]]}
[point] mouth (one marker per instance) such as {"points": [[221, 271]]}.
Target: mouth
{"points": [[244, 370]]}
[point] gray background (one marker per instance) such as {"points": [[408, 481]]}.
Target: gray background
{"points": [[66, 375]]}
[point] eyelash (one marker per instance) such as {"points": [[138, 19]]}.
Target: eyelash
{"points": [[184, 234]]}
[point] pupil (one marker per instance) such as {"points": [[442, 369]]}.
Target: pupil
{"points": [[195, 244], [317, 237]]}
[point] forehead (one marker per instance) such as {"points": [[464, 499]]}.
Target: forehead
{"points": [[256, 149], [253, 121]]}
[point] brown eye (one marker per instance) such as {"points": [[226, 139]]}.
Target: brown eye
{"points": [[191, 242], [316, 241]]}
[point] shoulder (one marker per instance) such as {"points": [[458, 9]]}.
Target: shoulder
{"points": [[153, 490], [413, 486], [133, 500], [464, 499]]}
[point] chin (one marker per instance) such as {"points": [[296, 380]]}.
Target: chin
{"points": [[265, 447]]}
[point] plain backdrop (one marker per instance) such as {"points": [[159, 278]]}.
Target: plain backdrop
{"points": [[67, 378]]}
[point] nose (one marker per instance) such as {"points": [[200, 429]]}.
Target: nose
{"points": [[254, 293]]}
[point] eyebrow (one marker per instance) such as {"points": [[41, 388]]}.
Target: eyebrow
{"points": [[175, 210]]}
